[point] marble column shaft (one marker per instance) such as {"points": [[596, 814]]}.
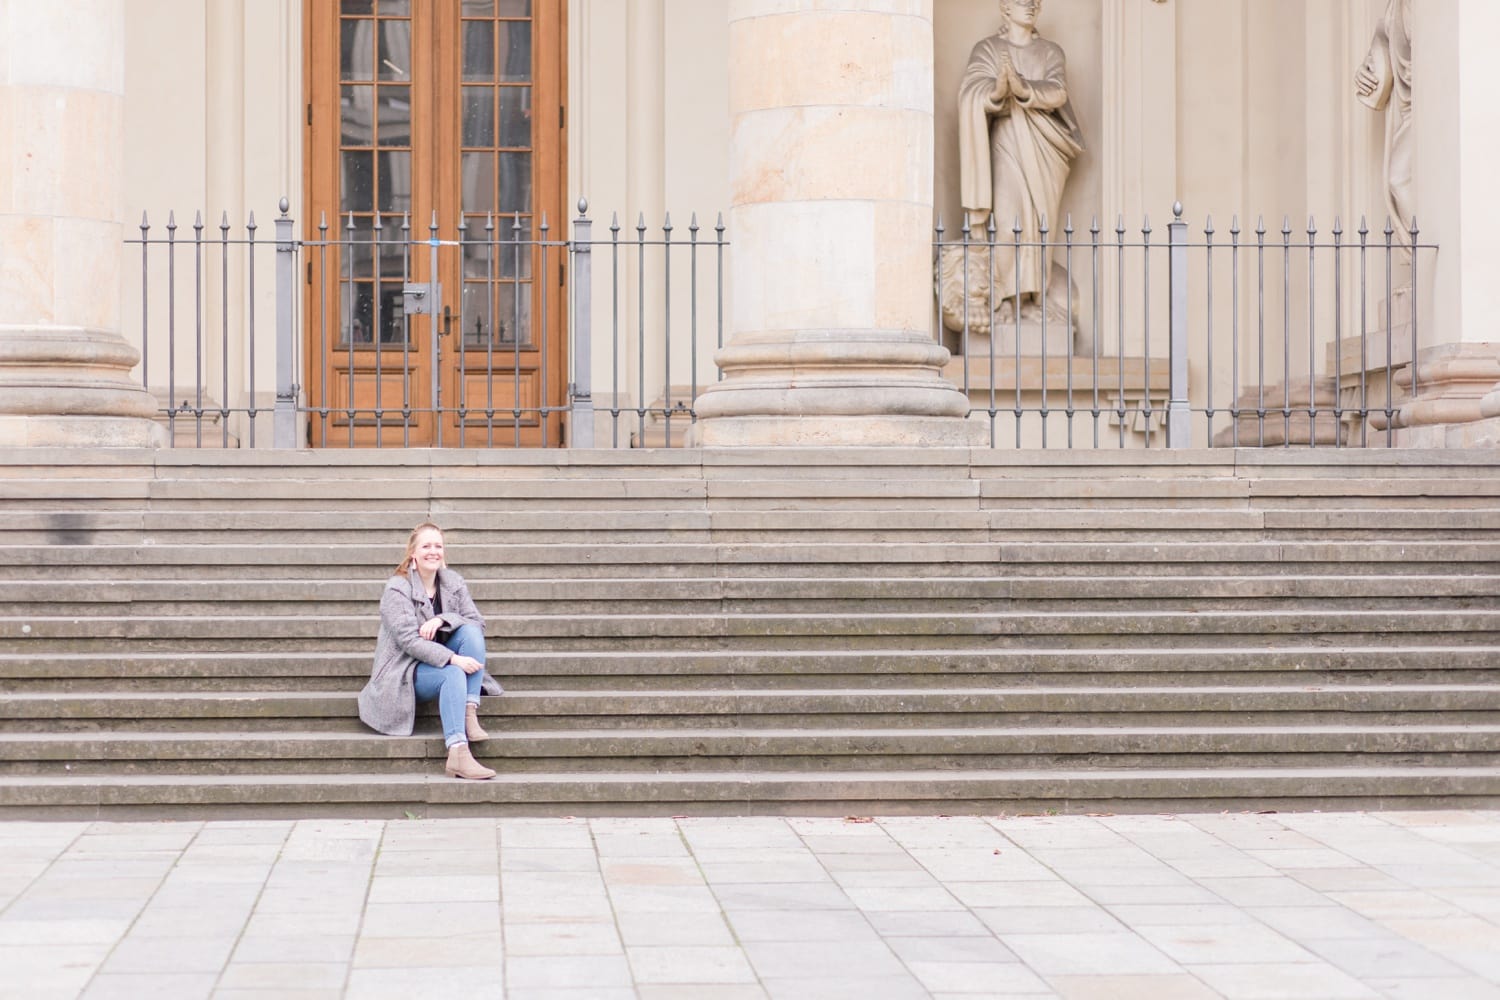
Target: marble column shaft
{"points": [[1456, 121], [64, 369], [830, 223]]}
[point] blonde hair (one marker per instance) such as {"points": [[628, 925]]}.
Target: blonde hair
{"points": [[411, 546]]}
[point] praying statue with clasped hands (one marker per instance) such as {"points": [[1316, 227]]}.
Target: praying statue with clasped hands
{"points": [[1018, 137]]}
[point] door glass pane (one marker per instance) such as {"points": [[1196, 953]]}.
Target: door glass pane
{"points": [[356, 7], [395, 181], [395, 8], [393, 247], [511, 308], [359, 251], [497, 253], [362, 245], [490, 8], [515, 182], [479, 116], [395, 116], [392, 314], [357, 116], [357, 307], [395, 50], [476, 314], [515, 116], [478, 51], [515, 51], [478, 182], [357, 50], [512, 313], [357, 181]]}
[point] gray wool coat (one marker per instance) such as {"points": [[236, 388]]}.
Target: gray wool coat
{"points": [[388, 703]]}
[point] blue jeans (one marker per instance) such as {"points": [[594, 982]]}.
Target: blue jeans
{"points": [[450, 685]]}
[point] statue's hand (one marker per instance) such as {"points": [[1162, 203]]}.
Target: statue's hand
{"points": [[1365, 82], [1019, 88], [1002, 78]]}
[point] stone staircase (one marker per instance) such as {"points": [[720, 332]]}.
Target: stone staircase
{"points": [[831, 632]]}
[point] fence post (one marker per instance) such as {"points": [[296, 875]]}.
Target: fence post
{"points": [[1179, 410], [284, 418], [581, 429]]}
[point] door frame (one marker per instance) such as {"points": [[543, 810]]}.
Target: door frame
{"points": [[323, 267]]}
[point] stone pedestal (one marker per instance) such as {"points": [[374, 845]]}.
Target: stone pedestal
{"points": [[1301, 412], [979, 304], [64, 369], [1052, 339], [831, 172]]}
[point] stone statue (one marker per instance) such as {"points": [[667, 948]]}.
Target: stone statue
{"points": [[1018, 136], [1384, 83]]}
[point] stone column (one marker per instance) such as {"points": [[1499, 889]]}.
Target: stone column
{"points": [[831, 168], [64, 368], [1456, 117]]}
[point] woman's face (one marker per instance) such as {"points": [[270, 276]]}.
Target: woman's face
{"points": [[427, 554]]}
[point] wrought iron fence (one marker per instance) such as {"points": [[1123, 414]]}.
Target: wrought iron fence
{"points": [[1120, 338], [1237, 339], [191, 326]]}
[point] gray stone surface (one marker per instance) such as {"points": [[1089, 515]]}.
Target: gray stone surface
{"points": [[1298, 906], [754, 630]]}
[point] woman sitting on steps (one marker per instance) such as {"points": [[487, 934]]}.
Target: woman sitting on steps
{"points": [[431, 645]]}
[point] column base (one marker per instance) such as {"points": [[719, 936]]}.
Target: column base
{"points": [[80, 432], [1448, 407], [877, 431], [71, 387], [834, 388]]}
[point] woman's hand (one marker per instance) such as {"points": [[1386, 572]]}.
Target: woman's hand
{"points": [[429, 629], [467, 664]]}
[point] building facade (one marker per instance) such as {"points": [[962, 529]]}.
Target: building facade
{"points": [[449, 116]]}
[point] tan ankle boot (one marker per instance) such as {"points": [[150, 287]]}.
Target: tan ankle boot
{"points": [[472, 729], [461, 764]]}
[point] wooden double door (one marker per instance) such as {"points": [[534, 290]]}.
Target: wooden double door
{"points": [[447, 113]]}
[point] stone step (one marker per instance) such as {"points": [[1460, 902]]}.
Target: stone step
{"points": [[504, 629], [317, 556], [346, 670], [585, 463], [690, 596], [813, 630], [379, 497], [1397, 595], [765, 793], [715, 750], [1449, 598], [1374, 704], [863, 527], [218, 636]]}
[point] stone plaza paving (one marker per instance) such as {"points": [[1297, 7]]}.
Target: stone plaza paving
{"points": [[1315, 905]]}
